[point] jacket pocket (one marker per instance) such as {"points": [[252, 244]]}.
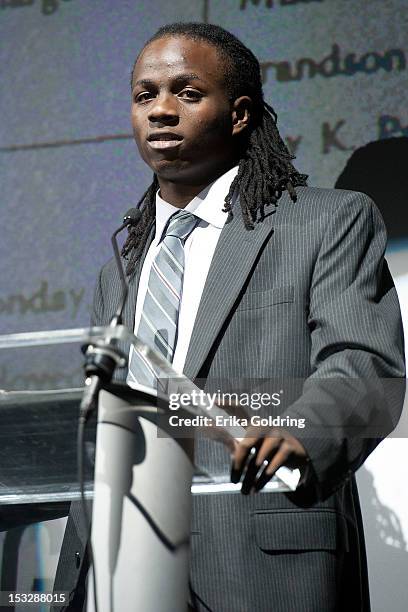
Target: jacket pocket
{"points": [[301, 530], [260, 299]]}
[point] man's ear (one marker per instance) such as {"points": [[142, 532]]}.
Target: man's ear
{"points": [[241, 114]]}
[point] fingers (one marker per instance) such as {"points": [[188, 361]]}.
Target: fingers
{"points": [[267, 450], [253, 439], [250, 475], [244, 450], [280, 458], [273, 461], [258, 460]]}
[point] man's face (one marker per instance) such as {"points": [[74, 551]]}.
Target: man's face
{"points": [[181, 117]]}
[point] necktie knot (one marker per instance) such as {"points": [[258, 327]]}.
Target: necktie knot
{"points": [[181, 224]]}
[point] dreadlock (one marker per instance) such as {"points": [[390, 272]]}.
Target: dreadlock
{"points": [[265, 167]]}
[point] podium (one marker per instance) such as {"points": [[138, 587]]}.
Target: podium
{"points": [[140, 477]]}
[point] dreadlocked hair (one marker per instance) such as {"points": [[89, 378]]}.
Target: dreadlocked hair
{"points": [[265, 164]]}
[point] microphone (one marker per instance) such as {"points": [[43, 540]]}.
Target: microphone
{"points": [[130, 219], [102, 358]]}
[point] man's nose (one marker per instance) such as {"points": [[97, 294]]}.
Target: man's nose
{"points": [[163, 109]]}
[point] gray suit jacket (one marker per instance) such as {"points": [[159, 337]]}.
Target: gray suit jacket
{"points": [[305, 295]]}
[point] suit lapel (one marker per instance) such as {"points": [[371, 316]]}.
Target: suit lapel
{"points": [[234, 257]]}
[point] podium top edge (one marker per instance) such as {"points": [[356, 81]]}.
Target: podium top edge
{"points": [[47, 337]]}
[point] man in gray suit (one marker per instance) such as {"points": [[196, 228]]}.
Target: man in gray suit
{"points": [[279, 282]]}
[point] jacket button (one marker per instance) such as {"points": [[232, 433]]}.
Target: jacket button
{"points": [[77, 559]]}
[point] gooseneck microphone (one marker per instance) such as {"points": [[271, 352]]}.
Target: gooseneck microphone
{"points": [[131, 218], [102, 357]]}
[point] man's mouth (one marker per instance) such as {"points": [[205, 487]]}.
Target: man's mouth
{"points": [[164, 140]]}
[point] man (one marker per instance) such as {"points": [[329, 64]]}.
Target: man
{"points": [[268, 279]]}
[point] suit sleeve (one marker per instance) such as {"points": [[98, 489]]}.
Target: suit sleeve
{"points": [[355, 394]]}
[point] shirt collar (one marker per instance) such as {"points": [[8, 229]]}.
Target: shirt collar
{"points": [[207, 205]]}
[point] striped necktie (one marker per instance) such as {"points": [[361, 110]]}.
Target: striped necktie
{"points": [[159, 319]]}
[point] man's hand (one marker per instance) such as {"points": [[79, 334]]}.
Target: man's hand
{"points": [[261, 453]]}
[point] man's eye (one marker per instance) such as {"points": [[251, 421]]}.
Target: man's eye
{"points": [[191, 94], [142, 97]]}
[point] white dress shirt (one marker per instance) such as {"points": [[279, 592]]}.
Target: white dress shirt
{"points": [[199, 250]]}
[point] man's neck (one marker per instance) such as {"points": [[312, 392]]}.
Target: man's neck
{"points": [[179, 195]]}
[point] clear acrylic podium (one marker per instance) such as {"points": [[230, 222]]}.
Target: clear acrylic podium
{"points": [[140, 480]]}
